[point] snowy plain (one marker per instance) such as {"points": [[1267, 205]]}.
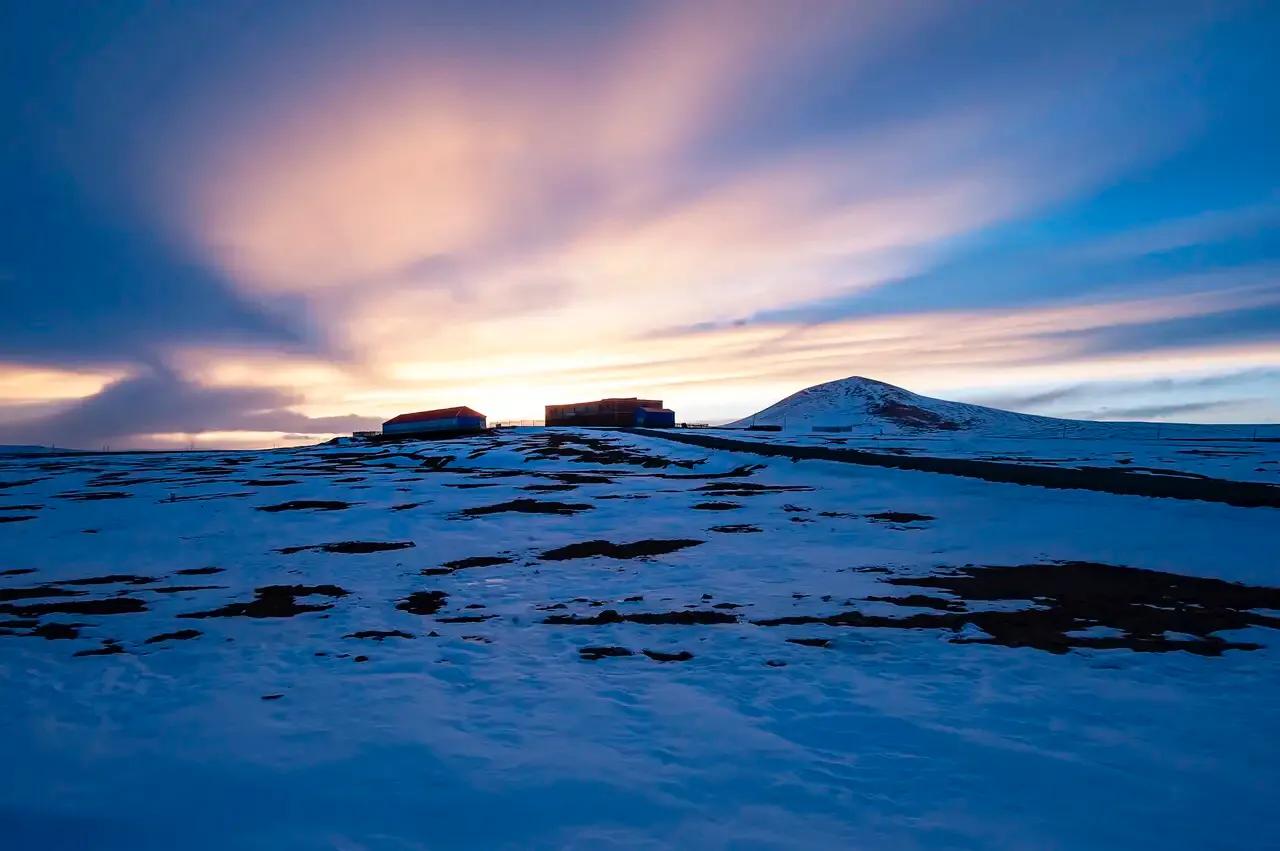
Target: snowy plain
{"points": [[464, 664]]}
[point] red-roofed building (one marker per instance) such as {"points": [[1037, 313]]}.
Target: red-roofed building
{"points": [[612, 412], [456, 419]]}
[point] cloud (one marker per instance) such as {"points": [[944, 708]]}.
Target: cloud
{"points": [[163, 403], [1032, 402], [430, 201], [1255, 324], [416, 205], [1146, 412]]}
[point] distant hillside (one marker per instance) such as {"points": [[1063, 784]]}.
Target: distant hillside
{"points": [[874, 407], [11, 449]]}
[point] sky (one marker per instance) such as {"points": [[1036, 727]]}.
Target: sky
{"points": [[244, 224]]}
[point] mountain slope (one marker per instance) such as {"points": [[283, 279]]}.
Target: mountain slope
{"points": [[867, 406]]}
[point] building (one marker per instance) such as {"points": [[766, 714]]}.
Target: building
{"points": [[625, 413], [443, 420]]}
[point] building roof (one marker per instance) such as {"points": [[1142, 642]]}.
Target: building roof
{"points": [[438, 414], [616, 400]]}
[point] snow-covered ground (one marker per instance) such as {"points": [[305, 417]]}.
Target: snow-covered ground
{"points": [[465, 665], [1226, 458]]}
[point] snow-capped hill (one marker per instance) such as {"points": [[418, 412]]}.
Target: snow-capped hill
{"points": [[866, 406]]}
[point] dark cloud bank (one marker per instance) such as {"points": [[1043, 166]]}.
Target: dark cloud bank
{"points": [[163, 402]]}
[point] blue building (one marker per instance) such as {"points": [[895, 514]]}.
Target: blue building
{"points": [[450, 420]]}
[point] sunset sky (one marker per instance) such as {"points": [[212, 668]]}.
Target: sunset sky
{"points": [[255, 224]]}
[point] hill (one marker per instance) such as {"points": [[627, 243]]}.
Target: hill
{"points": [[867, 406]]}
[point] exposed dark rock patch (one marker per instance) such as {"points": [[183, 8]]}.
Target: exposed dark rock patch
{"points": [[198, 571], [1149, 609], [435, 462], [307, 505], [636, 549], [380, 635], [810, 642], [405, 506], [735, 529], [474, 561], [775, 663], [549, 488], [736, 472], [16, 518], [349, 547], [423, 602], [180, 635], [110, 579], [593, 653], [912, 416], [124, 481], [274, 601], [594, 450], [32, 628], [109, 606], [272, 696], [740, 489], [528, 506], [922, 601], [56, 631], [660, 656], [899, 517], [37, 592], [608, 616], [581, 478], [18, 483], [109, 647], [183, 589], [205, 497], [93, 496], [203, 471], [17, 571], [716, 506]]}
